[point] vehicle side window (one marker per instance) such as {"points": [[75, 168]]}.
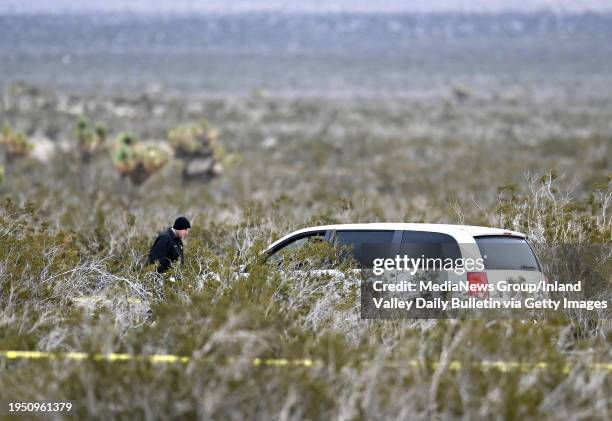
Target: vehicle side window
{"points": [[295, 243], [425, 244], [364, 245]]}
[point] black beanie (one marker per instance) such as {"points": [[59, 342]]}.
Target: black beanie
{"points": [[181, 223]]}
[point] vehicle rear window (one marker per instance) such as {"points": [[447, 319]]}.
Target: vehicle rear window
{"points": [[366, 245], [506, 253], [435, 245]]}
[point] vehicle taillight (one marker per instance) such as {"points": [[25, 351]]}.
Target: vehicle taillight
{"points": [[478, 285]]}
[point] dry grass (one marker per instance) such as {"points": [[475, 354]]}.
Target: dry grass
{"points": [[327, 162]]}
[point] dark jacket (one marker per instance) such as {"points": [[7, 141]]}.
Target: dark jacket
{"points": [[167, 248]]}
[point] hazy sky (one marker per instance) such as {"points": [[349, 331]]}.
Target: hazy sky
{"points": [[302, 5]]}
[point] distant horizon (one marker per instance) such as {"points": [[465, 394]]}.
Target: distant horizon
{"points": [[314, 13], [154, 7]]}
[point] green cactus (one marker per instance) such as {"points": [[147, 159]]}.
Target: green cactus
{"points": [[1, 174]]}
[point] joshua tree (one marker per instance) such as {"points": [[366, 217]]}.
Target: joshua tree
{"points": [[196, 145], [137, 161], [16, 144], [91, 139], [461, 92]]}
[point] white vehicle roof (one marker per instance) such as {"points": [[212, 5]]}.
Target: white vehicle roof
{"points": [[459, 232]]}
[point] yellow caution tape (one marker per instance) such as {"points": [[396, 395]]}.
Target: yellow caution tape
{"points": [[155, 359], [503, 366]]}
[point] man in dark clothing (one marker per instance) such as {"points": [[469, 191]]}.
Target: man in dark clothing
{"points": [[168, 246]]}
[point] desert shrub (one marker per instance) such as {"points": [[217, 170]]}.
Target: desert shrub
{"points": [[572, 237], [16, 144], [551, 216], [225, 320], [89, 246], [32, 255]]}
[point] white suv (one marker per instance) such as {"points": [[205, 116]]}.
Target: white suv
{"points": [[506, 255]]}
